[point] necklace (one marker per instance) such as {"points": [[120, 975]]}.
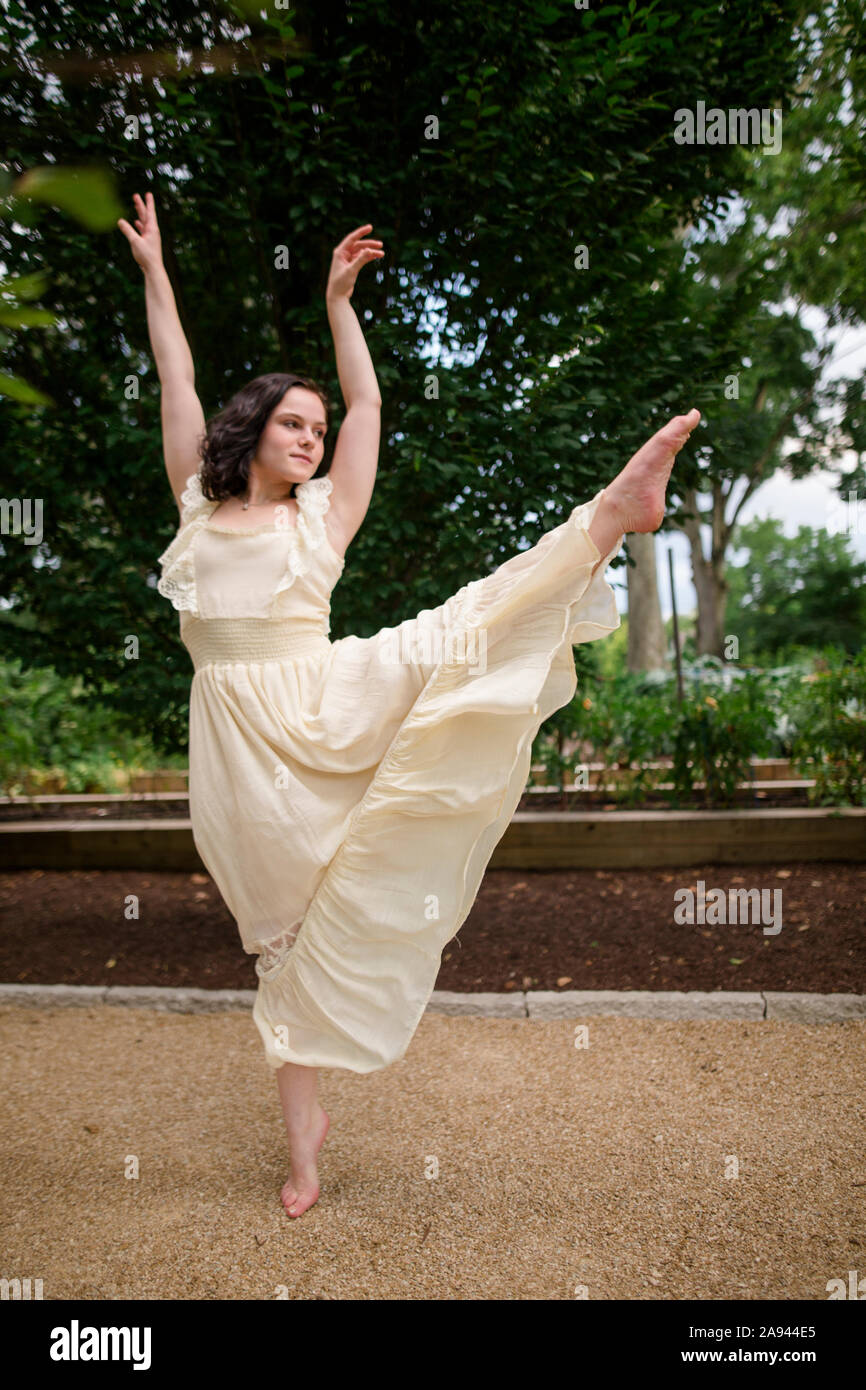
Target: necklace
{"points": [[270, 503]]}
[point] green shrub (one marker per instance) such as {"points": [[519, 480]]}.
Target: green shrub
{"points": [[715, 738], [50, 730], [831, 741], [729, 716], [626, 722]]}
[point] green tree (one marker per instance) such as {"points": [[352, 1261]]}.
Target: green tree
{"points": [[805, 590], [811, 199], [482, 174], [754, 269]]}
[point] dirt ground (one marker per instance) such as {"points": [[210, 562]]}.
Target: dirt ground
{"points": [[568, 929], [177, 808]]}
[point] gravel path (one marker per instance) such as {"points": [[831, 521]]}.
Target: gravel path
{"points": [[495, 1161]]}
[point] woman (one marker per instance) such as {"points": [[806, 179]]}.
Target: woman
{"points": [[346, 796]]}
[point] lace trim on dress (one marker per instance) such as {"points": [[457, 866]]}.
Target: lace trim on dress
{"points": [[177, 581], [273, 954], [314, 499]]}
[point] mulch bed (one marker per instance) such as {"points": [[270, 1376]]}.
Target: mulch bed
{"points": [[528, 929], [124, 811], [549, 801]]}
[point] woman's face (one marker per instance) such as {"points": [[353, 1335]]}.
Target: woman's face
{"points": [[292, 443]]}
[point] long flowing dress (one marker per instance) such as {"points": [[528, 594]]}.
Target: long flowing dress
{"points": [[346, 796]]}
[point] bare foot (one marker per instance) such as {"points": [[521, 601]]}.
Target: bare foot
{"points": [[302, 1188], [637, 494]]}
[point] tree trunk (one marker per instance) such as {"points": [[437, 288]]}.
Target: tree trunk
{"points": [[709, 574], [647, 642]]}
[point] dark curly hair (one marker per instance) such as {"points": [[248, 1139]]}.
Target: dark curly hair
{"points": [[232, 436]]}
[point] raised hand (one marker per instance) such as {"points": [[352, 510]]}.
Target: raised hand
{"points": [[353, 251], [146, 244]]}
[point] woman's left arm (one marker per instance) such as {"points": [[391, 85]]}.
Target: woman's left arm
{"points": [[356, 453]]}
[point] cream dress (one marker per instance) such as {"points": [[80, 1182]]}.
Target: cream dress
{"points": [[346, 796]]}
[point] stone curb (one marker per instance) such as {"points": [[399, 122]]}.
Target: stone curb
{"points": [[533, 1004], [644, 1004]]}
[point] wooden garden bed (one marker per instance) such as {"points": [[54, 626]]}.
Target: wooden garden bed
{"points": [[533, 840]]}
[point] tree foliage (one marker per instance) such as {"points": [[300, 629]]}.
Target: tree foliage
{"points": [[485, 143], [805, 590]]}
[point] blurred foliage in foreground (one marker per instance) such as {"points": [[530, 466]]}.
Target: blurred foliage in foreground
{"points": [[53, 737]]}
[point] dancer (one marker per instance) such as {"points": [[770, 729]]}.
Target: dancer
{"points": [[346, 796]]}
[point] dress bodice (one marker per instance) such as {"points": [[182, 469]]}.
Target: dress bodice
{"points": [[275, 571]]}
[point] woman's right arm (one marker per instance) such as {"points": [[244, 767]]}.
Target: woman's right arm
{"points": [[183, 421]]}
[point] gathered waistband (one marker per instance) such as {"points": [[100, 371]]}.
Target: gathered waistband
{"points": [[210, 640]]}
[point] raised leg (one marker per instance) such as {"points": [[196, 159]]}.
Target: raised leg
{"points": [[635, 500], [306, 1127]]}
